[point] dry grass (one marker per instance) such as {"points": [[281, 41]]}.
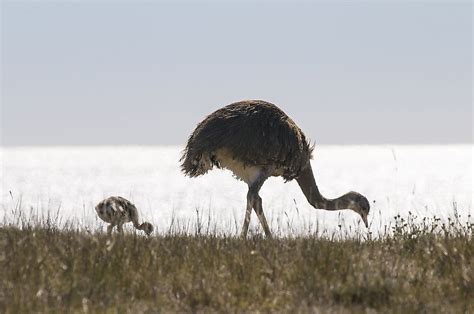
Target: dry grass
{"points": [[425, 267]]}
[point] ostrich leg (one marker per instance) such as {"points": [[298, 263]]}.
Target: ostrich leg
{"points": [[248, 211], [254, 200], [261, 216], [109, 229]]}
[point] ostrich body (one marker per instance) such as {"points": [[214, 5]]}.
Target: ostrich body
{"points": [[116, 211], [256, 140]]}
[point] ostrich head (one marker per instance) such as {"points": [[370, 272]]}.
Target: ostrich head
{"points": [[359, 204], [147, 227]]}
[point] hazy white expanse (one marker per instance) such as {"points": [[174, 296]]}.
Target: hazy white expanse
{"points": [[425, 180]]}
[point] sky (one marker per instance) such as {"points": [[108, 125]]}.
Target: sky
{"points": [[145, 73]]}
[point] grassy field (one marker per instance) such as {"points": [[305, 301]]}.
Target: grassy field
{"points": [[425, 267]]}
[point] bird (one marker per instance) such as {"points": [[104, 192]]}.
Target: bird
{"points": [[255, 140], [116, 211]]}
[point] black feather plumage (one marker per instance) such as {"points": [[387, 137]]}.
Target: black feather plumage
{"points": [[255, 132]]}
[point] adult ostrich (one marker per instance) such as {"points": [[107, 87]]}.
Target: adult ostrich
{"points": [[256, 140]]}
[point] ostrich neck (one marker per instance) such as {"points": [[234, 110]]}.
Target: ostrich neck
{"points": [[308, 185]]}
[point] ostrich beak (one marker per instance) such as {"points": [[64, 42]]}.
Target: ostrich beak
{"points": [[364, 219]]}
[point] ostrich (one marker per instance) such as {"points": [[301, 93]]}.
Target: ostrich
{"points": [[256, 140], [116, 211]]}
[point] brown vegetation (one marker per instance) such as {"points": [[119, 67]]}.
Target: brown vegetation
{"points": [[426, 267]]}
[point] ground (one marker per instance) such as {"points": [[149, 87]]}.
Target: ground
{"points": [[426, 268]]}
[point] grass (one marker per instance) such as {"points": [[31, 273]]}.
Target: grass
{"points": [[417, 267]]}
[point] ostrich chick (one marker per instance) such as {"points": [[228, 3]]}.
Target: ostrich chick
{"points": [[116, 211]]}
